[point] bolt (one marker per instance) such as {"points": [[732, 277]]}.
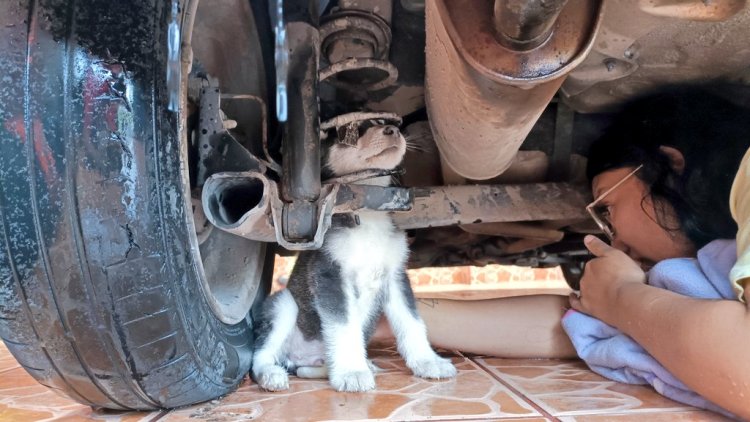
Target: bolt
{"points": [[610, 64]]}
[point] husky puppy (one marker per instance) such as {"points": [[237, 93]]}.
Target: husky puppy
{"points": [[321, 323]]}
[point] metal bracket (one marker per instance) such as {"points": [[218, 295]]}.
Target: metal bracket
{"points": [[217, 149], [352, 198]]}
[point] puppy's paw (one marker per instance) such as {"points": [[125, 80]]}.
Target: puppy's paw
{"points": [[353, 381], [433, 367], [374, 368], [272, 378]]}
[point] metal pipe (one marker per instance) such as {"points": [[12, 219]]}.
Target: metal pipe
{"points": [[247, 204], [525, 24], [472, 204], [240, 203]]}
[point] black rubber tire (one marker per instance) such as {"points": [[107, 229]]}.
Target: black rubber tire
{"points": [[100, 281]]}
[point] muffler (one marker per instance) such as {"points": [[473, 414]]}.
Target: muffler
{"points": [[491, 69]]}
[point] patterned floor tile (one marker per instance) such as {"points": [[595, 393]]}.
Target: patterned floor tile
{"points": [[7, 361], [399, 396], [569, 388], [22, 398], [687, 416], [565, 389]]}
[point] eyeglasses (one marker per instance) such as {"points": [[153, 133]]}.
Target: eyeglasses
{"points": [[601, 214]]}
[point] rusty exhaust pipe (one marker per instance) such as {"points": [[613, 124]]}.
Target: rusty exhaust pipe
{"points": [[240, 203], [492, 68], [525, 24]]}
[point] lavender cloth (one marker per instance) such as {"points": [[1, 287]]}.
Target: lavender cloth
{"points": [[614, 355]]}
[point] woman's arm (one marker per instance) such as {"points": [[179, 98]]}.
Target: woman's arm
{"points": [[512, 327], [704, 343]]}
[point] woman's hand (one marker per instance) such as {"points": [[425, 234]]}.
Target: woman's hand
{"points": [[602, 279]]}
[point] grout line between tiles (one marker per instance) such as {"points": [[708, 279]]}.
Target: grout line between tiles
{"points": [[488, 418], [635, 412], [2, 371], [161, 414], [533, 404]]}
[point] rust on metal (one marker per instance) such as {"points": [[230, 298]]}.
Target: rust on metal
{"points": [[525, 230], [264, 126], [472, 204], [694, 10], [261, 218], [344, 119], [482, 97], [388, 71], [368, 33], [524, 25], [646, 44], [471, 29], [378, 198], [356, 41]]}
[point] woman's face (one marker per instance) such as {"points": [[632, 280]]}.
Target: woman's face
{"points": [[634, 220]]}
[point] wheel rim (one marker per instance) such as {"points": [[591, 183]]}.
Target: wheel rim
{"points": [[231, 267]]}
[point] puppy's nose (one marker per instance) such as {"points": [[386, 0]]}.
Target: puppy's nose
{"points": [[390, 130]]}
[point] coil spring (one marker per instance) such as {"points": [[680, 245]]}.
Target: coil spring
{"points": [[345, 31]]}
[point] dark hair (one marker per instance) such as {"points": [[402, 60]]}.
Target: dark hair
{"points": [[712, 134]]}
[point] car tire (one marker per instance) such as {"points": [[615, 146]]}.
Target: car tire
{"points": [[103, 292]]}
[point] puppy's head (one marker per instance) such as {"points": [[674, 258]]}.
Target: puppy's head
{"points": [[377, 147]]}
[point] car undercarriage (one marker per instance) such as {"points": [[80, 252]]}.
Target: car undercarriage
{"points": [[501, 100], [156, 155]]}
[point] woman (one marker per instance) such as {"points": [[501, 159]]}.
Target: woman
{"points": [[690, 146], [666, 165]]}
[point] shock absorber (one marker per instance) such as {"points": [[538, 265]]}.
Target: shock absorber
{"points": [[300, 187]]}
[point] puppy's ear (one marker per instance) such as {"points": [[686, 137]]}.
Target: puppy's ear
{"points": [[676, 159]]}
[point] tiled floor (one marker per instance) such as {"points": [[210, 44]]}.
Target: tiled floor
{"points": [[485, 389]]}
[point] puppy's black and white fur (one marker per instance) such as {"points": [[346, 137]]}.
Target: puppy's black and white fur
{"points": [[322, 321]]}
